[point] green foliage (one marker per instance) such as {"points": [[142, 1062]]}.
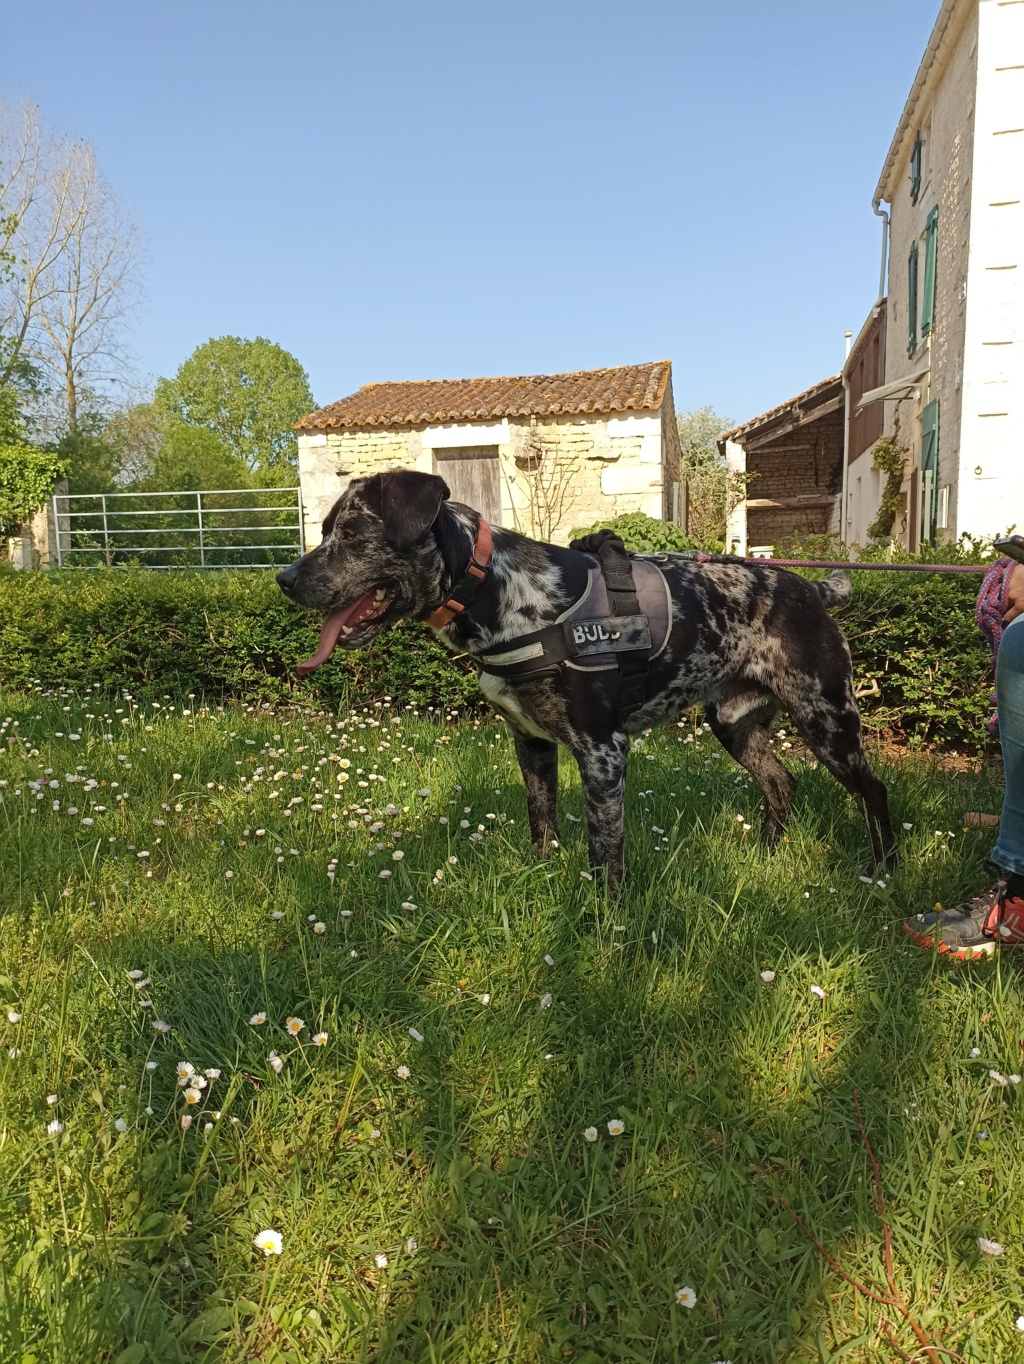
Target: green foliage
{"points": [[92, 459], [703, 470], [127, 1239], [642, 534], [246, 393], [12, 423], [27, 478], [889, 458], [190, 458], [218, 634], [923, 668]]}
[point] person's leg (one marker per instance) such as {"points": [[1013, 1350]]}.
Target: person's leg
{"points": [[973, 929], [1009, 849]]}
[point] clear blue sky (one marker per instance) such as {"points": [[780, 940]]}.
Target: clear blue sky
{"points": [[397, 190]]}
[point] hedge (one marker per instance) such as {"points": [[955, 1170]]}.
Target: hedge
{"points": [[223, 634], [922, 668]]}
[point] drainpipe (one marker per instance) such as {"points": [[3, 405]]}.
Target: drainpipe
{"points": [[881, 213], [844, 492]]}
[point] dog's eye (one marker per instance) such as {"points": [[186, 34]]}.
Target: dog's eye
{"points": [[347, 535]]}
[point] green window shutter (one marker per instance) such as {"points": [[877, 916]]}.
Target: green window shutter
{"points": [[912, 299], [915, 170], [930, 251], [929, 469]]}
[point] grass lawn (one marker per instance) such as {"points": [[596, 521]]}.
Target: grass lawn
{"points": [[427, 1164]]}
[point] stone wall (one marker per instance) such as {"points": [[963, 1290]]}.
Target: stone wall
{"points": [[946, 123]]}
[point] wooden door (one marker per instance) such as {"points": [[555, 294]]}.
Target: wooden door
{"points": [[473, 475]]}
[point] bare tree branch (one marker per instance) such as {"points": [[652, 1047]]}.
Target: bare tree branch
{"points": [[73, 277]]}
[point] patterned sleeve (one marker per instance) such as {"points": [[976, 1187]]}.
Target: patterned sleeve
{"points": [[992, 602]]}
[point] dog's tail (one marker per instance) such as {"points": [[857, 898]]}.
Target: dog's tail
{"points": [[835, 588]]}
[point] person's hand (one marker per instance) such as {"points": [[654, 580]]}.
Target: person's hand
{"points": [[1015, 595]]}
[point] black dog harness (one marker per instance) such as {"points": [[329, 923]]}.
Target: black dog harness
{"points": [[620, 623]]}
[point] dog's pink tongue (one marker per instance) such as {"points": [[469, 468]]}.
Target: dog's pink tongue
{"points": [[330, 632]]}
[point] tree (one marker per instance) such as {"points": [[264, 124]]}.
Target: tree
{"points": [[190, 459], [703, 469], [91, 459], [248, 394], [70, 257], [80, 337]]}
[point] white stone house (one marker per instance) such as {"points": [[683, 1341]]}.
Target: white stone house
{"points": [[943, 344], [541, 454]]}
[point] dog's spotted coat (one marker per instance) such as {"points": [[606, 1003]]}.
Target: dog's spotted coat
{"points": [[746, 641]]}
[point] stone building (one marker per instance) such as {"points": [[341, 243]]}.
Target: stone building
{"points": [[785, 471], [942, 346], [541, 454]]}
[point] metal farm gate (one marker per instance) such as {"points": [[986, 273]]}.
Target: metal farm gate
{"points": [[222, 528]]}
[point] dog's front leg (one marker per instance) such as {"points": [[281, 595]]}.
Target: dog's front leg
{"points": [[603, 771], [538, 762]]}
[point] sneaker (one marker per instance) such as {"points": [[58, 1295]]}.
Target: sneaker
{"points": [[972, 929]]}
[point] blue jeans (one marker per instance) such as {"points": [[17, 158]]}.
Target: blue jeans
{"points": [[1009, 849]]}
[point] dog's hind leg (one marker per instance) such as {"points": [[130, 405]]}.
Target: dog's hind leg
{"points": [[538, 762], [602, 764], [828, 722], [747, 740]]}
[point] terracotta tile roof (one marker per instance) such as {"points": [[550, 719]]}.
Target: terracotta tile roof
{"points": [[815, 396], [626, 388]]}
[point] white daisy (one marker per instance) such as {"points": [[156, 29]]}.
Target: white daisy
{"points": [[258, 1020], [686, 1297], [590, 1134], [616, 1127], [269, 1242], [990, 1247], [319, 1039]]}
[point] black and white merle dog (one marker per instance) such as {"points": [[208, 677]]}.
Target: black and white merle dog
{"points": [[744, 641]]}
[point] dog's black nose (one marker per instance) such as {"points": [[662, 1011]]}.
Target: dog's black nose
{"points": [[287, 577]]}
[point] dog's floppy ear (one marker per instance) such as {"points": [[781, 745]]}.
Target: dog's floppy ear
{"points": [[409, 503]]}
